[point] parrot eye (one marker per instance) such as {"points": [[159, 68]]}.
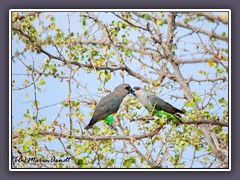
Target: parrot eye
{"points": [[137, 88], [127, 88]]}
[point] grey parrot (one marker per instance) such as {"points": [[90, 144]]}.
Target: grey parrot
{"points": [[109, 105], [156, 105]]}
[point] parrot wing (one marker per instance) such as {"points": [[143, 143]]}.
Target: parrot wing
{"points": [[106, 106], [160, 104]]}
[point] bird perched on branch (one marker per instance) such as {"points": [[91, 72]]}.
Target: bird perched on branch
{"points": [[109, 105], [156, 105]]}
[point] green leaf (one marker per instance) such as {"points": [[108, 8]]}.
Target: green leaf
{"points": [[189, 104], [27, 96], [42, 120], [25, 147], [79, 161], [26, 116], [160, 22], [218, 129], [196, 97], [211, 63], [36, 103], [173, 53], [110, 163], [84, 23], [41, 82], [129, 162], [146, 16], [52, 19], [210, 106], [223, 34], [221, 101]]}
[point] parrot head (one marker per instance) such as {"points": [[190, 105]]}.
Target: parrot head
{"points": [[124, 89], [138, 91]]}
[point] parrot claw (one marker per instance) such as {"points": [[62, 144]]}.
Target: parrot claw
{"points": [[112, 127]]}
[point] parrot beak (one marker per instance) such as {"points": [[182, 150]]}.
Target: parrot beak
{"points": [[133, 92], [130, 90]]}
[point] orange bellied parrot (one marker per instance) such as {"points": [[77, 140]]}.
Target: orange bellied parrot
{"points": [[156, 105], [109, 105]]}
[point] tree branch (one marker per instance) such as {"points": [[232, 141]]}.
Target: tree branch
{"points": [[189, 94], [199, 30], [100, 138], [209, 16], [202, 121]]}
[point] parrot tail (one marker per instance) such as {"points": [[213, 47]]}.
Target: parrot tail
{"points": [[177, 115], [90, 125], [178, 111]]}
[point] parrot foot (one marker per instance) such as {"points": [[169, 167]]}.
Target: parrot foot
{"points": [[112, 126]]}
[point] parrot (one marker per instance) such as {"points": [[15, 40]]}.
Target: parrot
{"points": [[156, 105], [109, 105]]}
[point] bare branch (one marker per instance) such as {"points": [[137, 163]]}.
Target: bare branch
{"points": [[208, 16], [199, 122], [211, 34]]}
